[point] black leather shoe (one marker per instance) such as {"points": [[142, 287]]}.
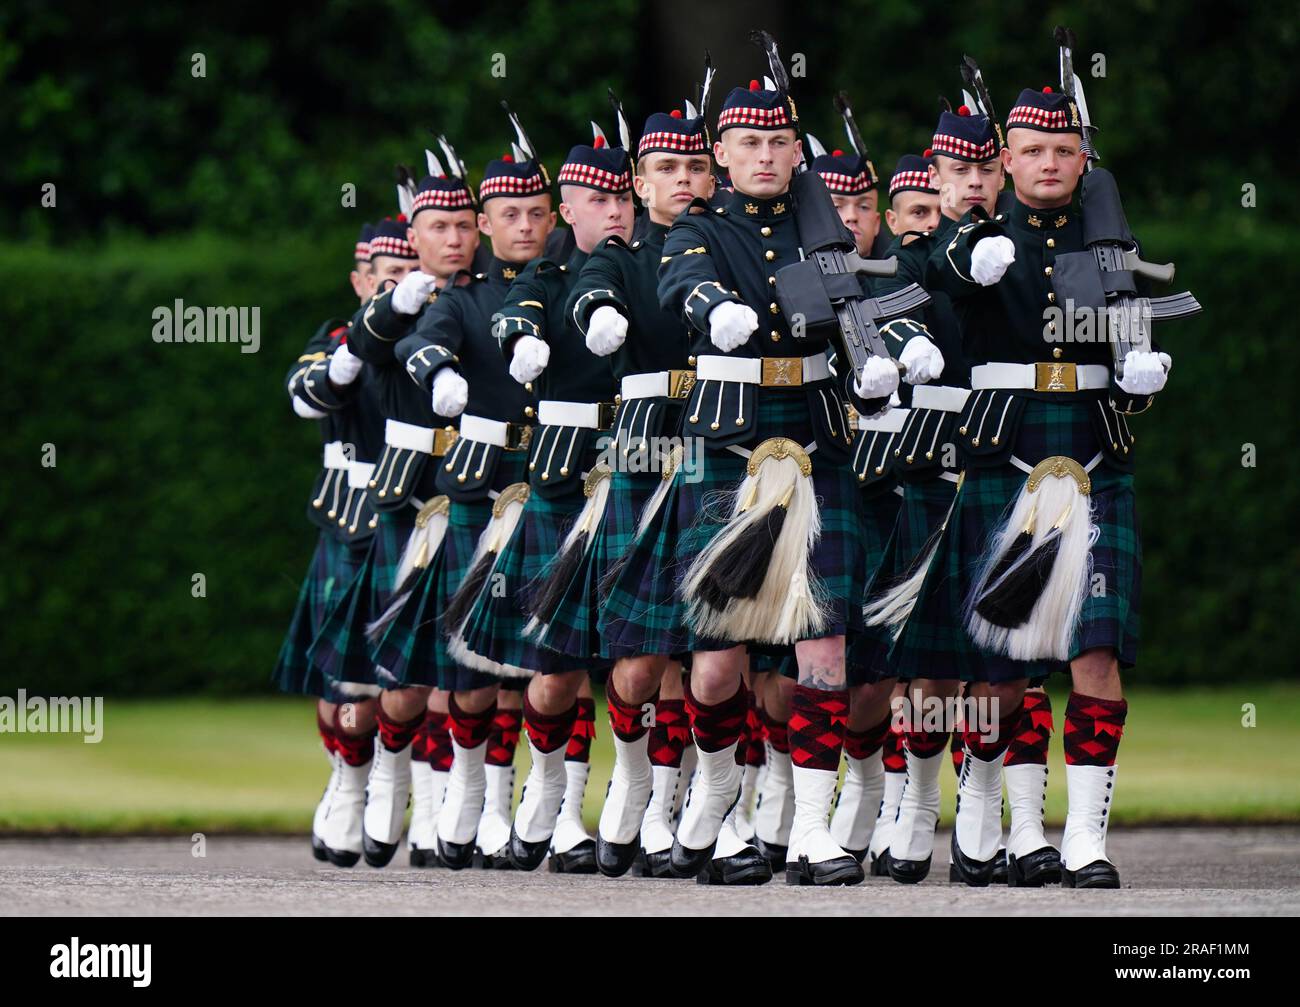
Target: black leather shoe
{"points": [[653, 865], [424, 858], [775, 854], [858, 855], [748, 867], [1000, 867], [687, 863], [615, 859], [975, 873], [879, 867], [579, 860], [837, 871], [318, 848], [1033, 870], [524, 855], [499, 861], [341, 858], [377, 854], [1098, 874], [906, 872], [455, 856]]}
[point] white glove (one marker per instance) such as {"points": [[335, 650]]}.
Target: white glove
{"points": [[450, 393], [305, 411], [878, 379], [1145, 373], [530, 359], [410, 295], [606, 330], [990, 259], [730, 325], [922, 359], [344, 367]]}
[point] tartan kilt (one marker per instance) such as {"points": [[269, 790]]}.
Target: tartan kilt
{"points": [[465, 524], [495, 626], [573, 628], [643, 614], [703, 506], [409, 644], [866, 652], [332, 567], [340, 651], [933, 642], [1110, 616]]}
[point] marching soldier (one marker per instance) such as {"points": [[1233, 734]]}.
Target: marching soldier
{"points": [[1049, 486], [441, 232], [333, 564], [616, 307], [758, 572], [576, 391], [454, 357]]}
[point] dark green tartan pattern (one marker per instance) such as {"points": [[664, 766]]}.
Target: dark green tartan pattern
{"points": [[865, 654], [495, 626], [332, 567], [642, 613], [340, 651], [1110, 615], [933, 643], [573, 628], [837, 557]]}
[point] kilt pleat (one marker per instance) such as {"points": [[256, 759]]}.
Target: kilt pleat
{"points": [[332, 567]]}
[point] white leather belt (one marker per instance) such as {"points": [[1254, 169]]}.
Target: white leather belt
{"points": [[650, 385], [551, 412], [408, 436], [945, 398], [335, 456], [751, 370], [1043, 377], [484, 430], [359, 474], [890, 423]]}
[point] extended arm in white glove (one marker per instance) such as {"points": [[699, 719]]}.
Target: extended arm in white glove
{"points": [[410, 295], [344, 366], [990, 258], [530, 359], [450, 393], [730, 325], [606, 330]]}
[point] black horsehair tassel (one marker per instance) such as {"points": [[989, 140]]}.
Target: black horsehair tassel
{"points": [[557, 580], [741, 567], [458, 608], [1018, 580]]}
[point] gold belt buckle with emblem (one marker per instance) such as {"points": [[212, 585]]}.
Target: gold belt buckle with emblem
{"points": [[782, 372], [518, 436], [680, 383], [443, 439], [1055, 377]]}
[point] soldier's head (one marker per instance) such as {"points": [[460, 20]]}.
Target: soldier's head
{"points": [[516, 213], [1043, 155], [443, 229], [851, 179], [392, 255], [965, 166], [913, 200], [757, 140], [362, 275], [596, 193], [673, 165]]}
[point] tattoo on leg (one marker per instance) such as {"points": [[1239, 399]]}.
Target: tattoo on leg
{"points": [[819, 675]]}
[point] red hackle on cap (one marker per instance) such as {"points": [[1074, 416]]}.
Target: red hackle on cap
{"points": [[837, 153], [508, 158], [676, 113], [963, 110], [753, 85], [928, 152], [1048, 89], [598, 142]]}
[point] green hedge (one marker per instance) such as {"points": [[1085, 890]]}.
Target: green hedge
{"points": [[181, 459]]}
